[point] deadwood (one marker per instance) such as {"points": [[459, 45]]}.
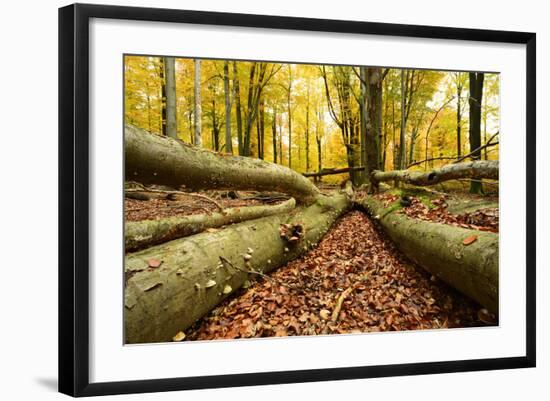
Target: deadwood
{"points": [[466, 259], [170, 286], [330, 171], [473, 170], [153, 159], [142, 234]]}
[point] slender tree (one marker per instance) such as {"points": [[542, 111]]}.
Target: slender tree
{"points": [[170, 76], [402, 144], [307, 126], [238, 111], [162, 79], [475, 102], [274, 133], [198, 110], [228, 139], [459, 86]]}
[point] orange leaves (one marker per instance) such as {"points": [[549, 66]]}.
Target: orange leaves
{"points": [[469, 240], [356, 275], [154, 263]]}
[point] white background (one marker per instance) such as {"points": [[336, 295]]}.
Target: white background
{"points": [[29, 200]]}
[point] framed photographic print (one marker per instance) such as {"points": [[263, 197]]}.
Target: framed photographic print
{"points": [[250, 199]]}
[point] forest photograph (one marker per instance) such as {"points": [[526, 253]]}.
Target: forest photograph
{"points": [[276, 199]]}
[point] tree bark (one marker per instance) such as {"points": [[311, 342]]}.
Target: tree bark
{"points": [[475, 100], [143, 234], [331, 171], [472, 269], [473, 170], [238, 111], [170, 76], [162, 97], [198, 110], [152, 159], [192, 279], [228, 139], [374, 118], [274, 134], [458, 116]]}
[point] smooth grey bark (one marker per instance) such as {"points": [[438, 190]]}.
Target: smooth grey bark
{"points": [[191, 279], [472, 269], [238, 111], [152, 159], [170, 75], [289, 111], [162, 79], [198, 106], [458, 115], [402, 144], [228, 139], [472, 170], [143, 234], [274, 133]]}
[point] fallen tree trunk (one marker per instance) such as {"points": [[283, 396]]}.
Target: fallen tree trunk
{"points": [[330, 171], [474, 170], [154, 159], [467, 263], [191, 279], [142, 234]]}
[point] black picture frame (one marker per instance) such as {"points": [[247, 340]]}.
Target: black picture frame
{"points": [[74, 198]]}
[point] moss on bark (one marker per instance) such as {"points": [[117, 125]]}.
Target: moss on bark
{"points": [[191, 280], [142, 234], [440, 249]]}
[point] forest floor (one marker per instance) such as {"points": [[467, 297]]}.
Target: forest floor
{"points": [[354, 281]]}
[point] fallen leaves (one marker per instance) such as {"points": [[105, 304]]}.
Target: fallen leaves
{"points": [[354, 281], [482, 219]]}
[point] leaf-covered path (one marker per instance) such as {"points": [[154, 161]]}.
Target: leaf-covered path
{"points": [[355, 280]]}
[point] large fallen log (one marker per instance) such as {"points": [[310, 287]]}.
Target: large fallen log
{"points": [[465, 259], [474, 170], [154, 159], [142, 234], [162, 300]]}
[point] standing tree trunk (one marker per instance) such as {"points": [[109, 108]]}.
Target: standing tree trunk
{"points": [[363, 120], [374, 120], [238, 111], [228, 140], [162, 97], [261, 129], [274, 134], [215, 126], [170, 74], [289, 90], [198, 111], [475, 101], [402, 144], [307, 128], [458, 117]]}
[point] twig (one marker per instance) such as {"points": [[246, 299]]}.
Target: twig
{"points": [[344, 295], [338, 307], [488, 144], [159, 191], [272, 279]]}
